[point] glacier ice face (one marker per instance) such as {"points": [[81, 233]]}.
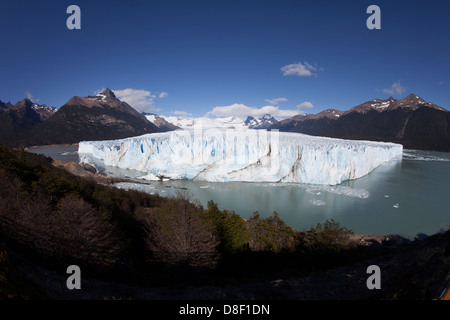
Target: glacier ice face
{"points": [[242, 155]]}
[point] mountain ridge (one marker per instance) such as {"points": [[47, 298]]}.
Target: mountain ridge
{"points": [[98, 117], [263, 122], [17, 121], [411, 121]]}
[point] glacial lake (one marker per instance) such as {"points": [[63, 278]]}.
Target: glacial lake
{"points": [[405, 196]]}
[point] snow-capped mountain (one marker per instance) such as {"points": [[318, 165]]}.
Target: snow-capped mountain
{"points": [[162, 124], [97, 117], [411, 121], [17, 121], [102, 116], [43, 110], [262, 123], [207, 122], [412, 102]]}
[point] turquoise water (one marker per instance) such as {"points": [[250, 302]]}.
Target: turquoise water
{"points": [[406, 197]]}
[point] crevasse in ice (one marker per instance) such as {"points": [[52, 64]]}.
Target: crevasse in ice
{"points": [[242, 155]]}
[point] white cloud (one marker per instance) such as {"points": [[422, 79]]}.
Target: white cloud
{"points": [[299, 69], [395, 89], [163, 95], [30, 97], [182, 113], [141, 100], [276, 101], [305, 105], [96, 92], [242, 111]]}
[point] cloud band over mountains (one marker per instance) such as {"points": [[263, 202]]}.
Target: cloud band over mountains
{"points": [[242, 111]]}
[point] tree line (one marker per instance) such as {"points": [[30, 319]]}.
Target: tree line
{"points": [[61, 219]]}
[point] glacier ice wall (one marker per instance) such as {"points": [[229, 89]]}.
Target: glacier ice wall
{"points": [[250, 156]]}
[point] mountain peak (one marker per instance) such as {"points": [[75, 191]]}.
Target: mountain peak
{"points": [[24, 104], [6, 105], [108, 93], [266, 117], [261, 123], [413, 97], [105, 100], [249, 120], [411, 101], [105, 97]]}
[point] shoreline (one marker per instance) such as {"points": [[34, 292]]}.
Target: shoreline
{"points": [[390, 240], [90, 172], [51, 146]]}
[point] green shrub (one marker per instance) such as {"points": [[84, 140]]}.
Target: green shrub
{"points": [[270, 234], [326, 237], [229, 229]]}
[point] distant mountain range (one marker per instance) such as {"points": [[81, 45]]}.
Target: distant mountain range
{"points": [[185, 122], [262, 123], [17, 121], [98, 117], [226, 122], [160, 122], [412, 122]]}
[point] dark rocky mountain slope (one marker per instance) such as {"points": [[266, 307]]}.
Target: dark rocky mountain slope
{"points": [[412, 122], [17, 121], [98, 117]]}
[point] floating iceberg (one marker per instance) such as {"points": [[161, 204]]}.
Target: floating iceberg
{"points": [[242, 155]]}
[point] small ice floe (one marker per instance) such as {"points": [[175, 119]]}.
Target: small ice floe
{"points": [[316, 202], [386, 196], [396, 206], [153, 177], [341, 190], [423, 156], [150, 177]]}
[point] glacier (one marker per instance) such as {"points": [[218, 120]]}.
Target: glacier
{"points": [[218, 155]]}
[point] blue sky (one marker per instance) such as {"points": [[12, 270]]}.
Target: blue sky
{"points": [[175, 57]]}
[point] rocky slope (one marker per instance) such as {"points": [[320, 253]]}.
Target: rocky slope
{"points": [[17, 121], [162, 124], [98, 117], [412, 122]]}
